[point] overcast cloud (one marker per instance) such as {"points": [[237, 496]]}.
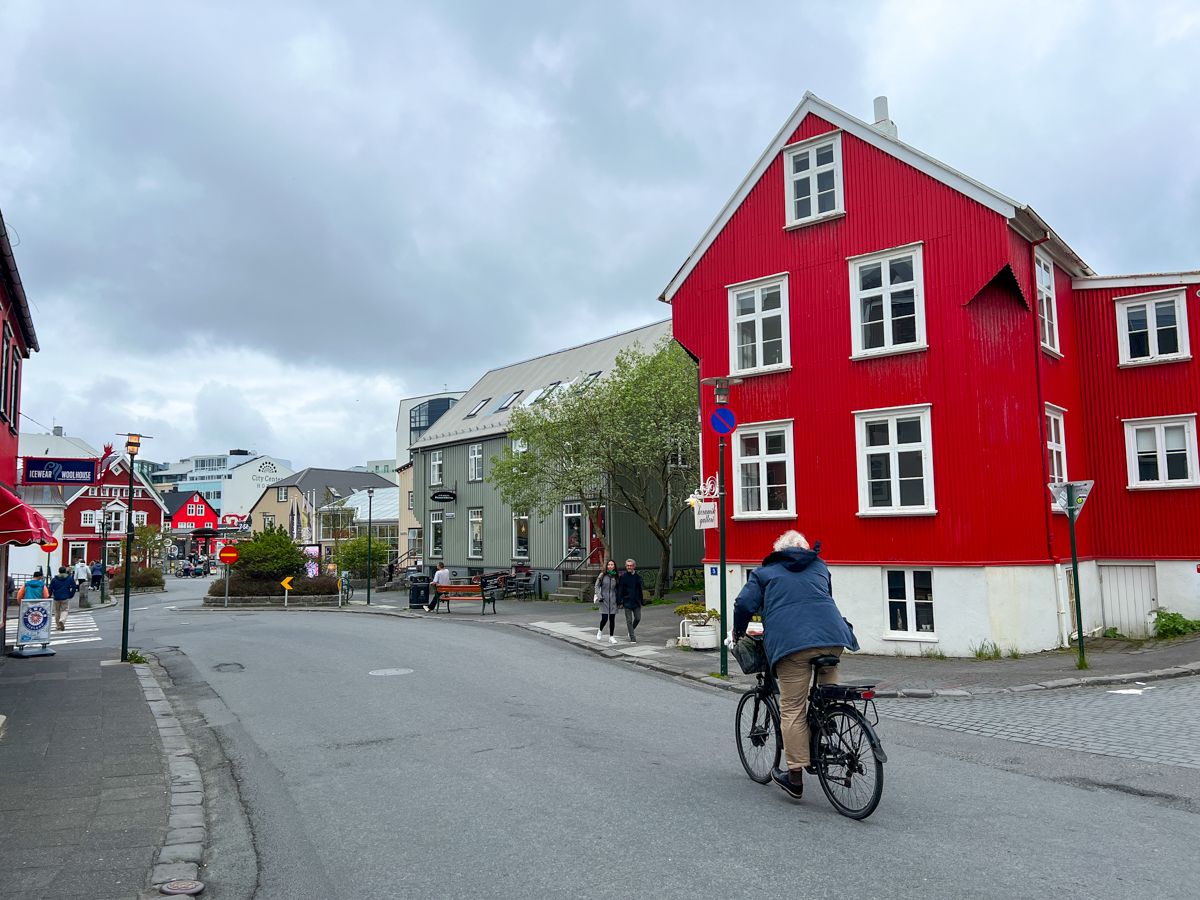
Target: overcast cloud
{"points": [[261, 225]]}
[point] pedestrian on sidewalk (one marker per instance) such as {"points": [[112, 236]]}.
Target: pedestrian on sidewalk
{"points": [[441, 578], [83, 578], [391, 572], [631, 594], [606, 599], [62, 589], [34, 588], [792, 593], [97, 575]]}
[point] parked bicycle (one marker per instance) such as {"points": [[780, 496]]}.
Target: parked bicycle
{"points": [[845, 753], [346, 589]]}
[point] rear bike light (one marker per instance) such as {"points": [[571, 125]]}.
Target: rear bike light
{"points": [[867, 695]]}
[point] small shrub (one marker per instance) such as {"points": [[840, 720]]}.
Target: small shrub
{"points": [[697, 613], [1113, 635], [134, 657], [141, 577], [1172, 624], [987, 650], [1014, 653]]}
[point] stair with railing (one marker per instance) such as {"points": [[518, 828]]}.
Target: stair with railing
{"points": [[579, 585]]}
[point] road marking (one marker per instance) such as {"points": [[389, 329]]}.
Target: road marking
{"points": [[139, 608], [390, 672]]}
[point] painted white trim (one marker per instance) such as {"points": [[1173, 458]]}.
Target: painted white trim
{"points": [[916, 250], [789, 179], [789, 448], [757, 286], [1121, 304], [756, 282], [847, 123], [1053, 346], [910, 602], [816, 220], [1100, 282], [1159, 422], [925, 412], [1057, 412]]}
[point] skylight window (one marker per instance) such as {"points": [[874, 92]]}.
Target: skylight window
{"points": [[477, 407], [542, 393], [508, 401]]}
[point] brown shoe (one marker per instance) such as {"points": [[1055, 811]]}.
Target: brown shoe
{"points": [[62, 627]]}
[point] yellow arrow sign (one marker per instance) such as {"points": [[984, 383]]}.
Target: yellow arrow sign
{"points": [[287, 582]]}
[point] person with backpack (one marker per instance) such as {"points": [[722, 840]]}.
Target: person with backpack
{"points": [[97, 575], [62, 589], [34, 588]]}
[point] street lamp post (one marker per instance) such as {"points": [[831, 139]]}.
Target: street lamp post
{"points": [[132, 443], [370, 571], [721, 395]]}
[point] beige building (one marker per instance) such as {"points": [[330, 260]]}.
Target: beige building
{"points": [[292, 503], [388, 511]]}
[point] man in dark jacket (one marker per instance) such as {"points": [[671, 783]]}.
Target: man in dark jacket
{"points": [[62, 589], [631, 594], [792, 593]]}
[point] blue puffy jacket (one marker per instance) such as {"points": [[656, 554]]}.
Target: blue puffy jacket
{"points": [[63, 587], [792, 592]]}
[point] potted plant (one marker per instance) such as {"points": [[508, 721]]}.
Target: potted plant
{"points": [[698, 628]]}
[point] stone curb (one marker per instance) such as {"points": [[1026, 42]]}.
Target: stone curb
{"points": [[183, 853], [1183, 671]]}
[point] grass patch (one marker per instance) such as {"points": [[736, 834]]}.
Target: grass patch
{"points": [[595, 608], [135, 657], [1013, 653], [933, 653], [986, 650], [1082, 664], [716, 675]]}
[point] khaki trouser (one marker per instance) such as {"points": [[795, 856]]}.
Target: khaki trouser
{"points": [[794, 672], [60, 612]]}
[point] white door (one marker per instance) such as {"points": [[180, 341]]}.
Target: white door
{"points": [[1130, 597]]}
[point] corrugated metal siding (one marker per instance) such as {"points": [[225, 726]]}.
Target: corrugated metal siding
{"points": [[1139, 524], [979, 372]]}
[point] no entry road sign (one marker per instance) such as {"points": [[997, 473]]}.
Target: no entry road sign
{"points": [[50, 546], [723, 420], [228, 555]]}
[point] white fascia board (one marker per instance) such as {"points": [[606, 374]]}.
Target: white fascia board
{"points": [[1158, 279], [811, 103], [1033, 227]]}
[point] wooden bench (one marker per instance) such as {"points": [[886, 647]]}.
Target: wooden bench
{"points": [[448, 592]]}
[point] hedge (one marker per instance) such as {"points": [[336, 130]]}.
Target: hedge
{"points": [[142, 577], [241, 586]]}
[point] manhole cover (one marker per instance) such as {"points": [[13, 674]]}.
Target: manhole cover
{"points": [[182, 886], [391, 672]]}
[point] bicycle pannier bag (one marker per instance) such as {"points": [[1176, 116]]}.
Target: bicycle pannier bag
{"points": [[750, 655]]}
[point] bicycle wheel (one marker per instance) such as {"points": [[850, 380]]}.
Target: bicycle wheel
{"points": [[850, 774], [349, 592], [759, 740]]}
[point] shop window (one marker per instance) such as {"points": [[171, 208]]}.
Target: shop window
{"points": [[910, 604]]}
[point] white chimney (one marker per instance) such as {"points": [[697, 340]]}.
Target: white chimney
{"points": [[882, 122]]}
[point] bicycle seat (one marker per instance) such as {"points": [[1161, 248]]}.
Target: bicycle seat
{"points": [[824, 662]]}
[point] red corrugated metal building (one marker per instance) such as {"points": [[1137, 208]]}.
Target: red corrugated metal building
{"points": [[920, 356]]}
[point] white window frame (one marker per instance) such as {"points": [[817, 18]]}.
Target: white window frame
{"points": [[437, 517], [268, 521], [516, 553], [1056, 451], [1047, 304], [761, 429], [92, 492], [281, 495], [474, 520], [87, 518], [410, 499], [859, 351], [757, 285], [435, 468], [1159, 423], [923, 637], [808, 147], [892, 414], [191, 509], [1122, 304], [139, 519], [475, 462]]}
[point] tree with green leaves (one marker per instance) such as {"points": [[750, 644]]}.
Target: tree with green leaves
{"points": [[351, 555], [630, 439], [271, 553], [149, 543]]}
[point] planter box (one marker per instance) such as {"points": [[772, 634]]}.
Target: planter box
{"points": [[293, 600]]}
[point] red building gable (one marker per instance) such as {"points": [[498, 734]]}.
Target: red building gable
{"points": [[87, 511], [189, 510], [920, 356]]}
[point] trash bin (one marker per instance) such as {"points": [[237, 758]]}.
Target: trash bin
{"points": [[418, 591]]}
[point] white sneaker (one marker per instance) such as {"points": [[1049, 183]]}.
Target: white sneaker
{"points": [[599, 635], [611, 639]]}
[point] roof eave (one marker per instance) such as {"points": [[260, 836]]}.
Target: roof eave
{"points": [[1028, 223], [12, 280]]}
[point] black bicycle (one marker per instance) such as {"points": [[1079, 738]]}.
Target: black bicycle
{"points": [[845, 753]]}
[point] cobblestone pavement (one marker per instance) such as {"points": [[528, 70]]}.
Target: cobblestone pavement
{"points": [[1157, 723]]}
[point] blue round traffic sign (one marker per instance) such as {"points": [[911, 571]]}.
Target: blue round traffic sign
{"points": [[723, 420]]}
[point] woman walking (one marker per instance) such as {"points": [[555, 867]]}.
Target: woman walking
{"points": [[606, 599]]}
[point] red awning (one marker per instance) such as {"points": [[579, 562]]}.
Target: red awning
{"points": [[20, 523]]}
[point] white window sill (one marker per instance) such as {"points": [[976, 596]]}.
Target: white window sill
{"points": [[1153, 361], [926, 637], [1169, 486], [889, 351], [756, 516], [752, 373], [896, 511], [1050, 351], [816, 220]]}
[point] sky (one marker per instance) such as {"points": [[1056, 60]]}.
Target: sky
{"points": [[262, 225]]}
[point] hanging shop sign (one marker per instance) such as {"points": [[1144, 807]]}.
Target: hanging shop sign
{"points": [[42, 470], [443, 496]]}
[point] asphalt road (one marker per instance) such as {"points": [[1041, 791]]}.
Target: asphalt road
{"points": [[510, 765]]}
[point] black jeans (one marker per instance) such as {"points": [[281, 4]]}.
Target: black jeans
{"points": [[633, 617]]}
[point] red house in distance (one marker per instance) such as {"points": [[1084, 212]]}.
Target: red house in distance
{"points": [[89, 507], [187, 511], [921, 355]]}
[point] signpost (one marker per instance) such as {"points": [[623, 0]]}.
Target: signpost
{"points": [[723, 422], [287, 586], [228, 555], [1070, 496]]}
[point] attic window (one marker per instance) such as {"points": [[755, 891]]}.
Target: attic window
{"points": [[542, 393], [508, 401], [813, 179], [477, 407]]}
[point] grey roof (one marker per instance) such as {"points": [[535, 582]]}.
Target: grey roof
{"points": [[63, 446], [528, 377], [339, 482], [385, 505]]}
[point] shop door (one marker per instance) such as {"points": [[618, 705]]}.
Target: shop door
{"points": [[573, 530], [1129, 595], [595, 545]]}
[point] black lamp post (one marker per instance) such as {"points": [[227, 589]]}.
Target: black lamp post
{"points": [[370, 571], [132, 443]]}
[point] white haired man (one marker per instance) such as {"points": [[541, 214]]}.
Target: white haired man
{"points": [[792, 593]]}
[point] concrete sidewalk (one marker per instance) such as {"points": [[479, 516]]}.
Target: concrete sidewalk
{"points": [[84, 794], [894, 676]]}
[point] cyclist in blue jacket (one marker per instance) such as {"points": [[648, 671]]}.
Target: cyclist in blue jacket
{"points": [[793, 594]]}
